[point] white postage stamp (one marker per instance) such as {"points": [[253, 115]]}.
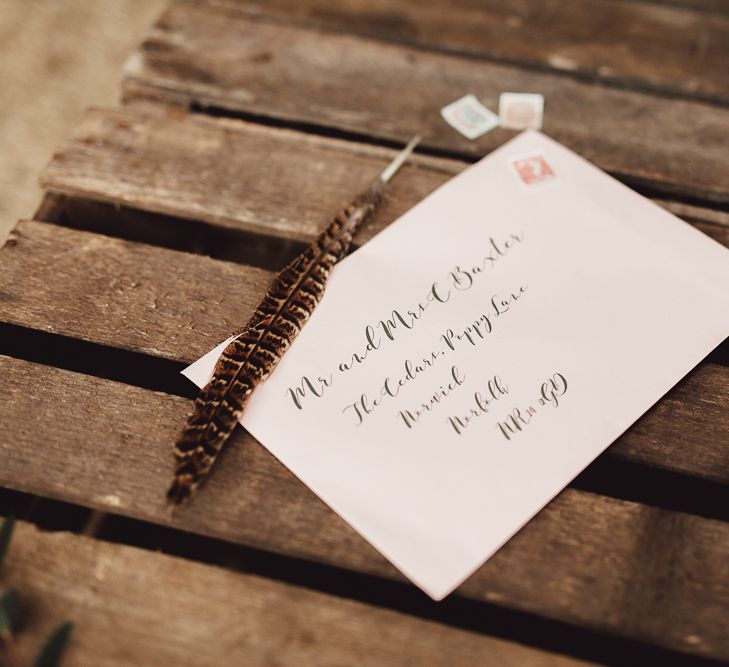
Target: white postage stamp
{"points": [[521, 111], [469, 117]]}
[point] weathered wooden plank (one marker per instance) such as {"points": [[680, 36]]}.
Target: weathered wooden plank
{"points": [[177, 305], [230, 173], [168, 611], [611, 565], [246, 177], [127, 295], [217, 57], [671, 49]]}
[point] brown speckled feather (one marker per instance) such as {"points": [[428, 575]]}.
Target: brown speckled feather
{"points": [[249, 359]]}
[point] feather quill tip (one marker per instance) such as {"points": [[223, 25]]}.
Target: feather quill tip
{"points": [[180, 490]]}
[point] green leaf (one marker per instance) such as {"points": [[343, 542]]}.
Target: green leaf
{"points": [[6, 534], [52, 652], [10, 612]]}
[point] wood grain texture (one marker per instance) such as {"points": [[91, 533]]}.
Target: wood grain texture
{"points": [[122, 294], [134, 607], [611, 565], [221, 58], [177, 306], [241, 176], [669, 49], [230, 173]]}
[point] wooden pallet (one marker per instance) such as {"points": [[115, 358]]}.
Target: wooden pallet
{"points": [[244, 127]]}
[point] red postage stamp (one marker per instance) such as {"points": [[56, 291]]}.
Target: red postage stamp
{"points": [[533, 168]]}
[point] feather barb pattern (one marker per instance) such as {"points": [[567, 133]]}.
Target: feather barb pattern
{"points": [[251, 357]]}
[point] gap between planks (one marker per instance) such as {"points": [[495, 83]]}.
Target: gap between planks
{"points": [[612, 566], [714, 6]]}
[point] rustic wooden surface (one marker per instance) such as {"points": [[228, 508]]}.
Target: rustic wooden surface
{"points": [[246, 126], [128, 295], [559, 565], [222, 58], [578, 37], [133, 607]]}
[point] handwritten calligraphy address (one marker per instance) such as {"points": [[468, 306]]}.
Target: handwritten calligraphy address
{"points": [[474, 333]]}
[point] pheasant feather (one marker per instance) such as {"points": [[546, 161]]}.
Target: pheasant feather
{"points": [[249, 359]]}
